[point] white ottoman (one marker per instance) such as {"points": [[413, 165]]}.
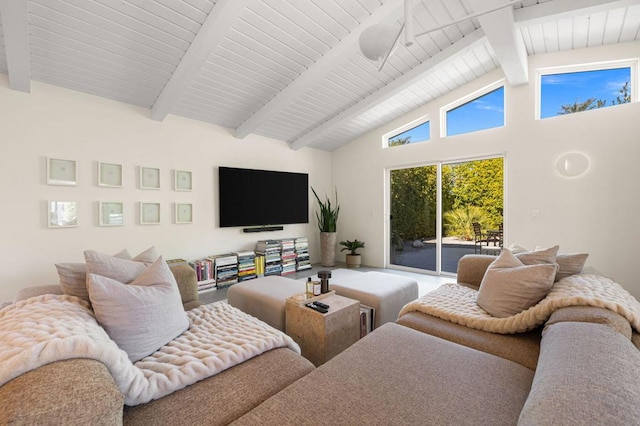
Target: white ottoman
{"points": [[265, 297], [387, 293]]}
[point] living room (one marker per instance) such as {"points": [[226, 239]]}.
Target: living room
{"points": [[579, 214], [134, 86]]}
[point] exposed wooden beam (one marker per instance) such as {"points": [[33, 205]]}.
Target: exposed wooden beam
{"points": [[318, 71], [558, 9], [15, 25], [418, 73], [212, 31], [507, 43]]}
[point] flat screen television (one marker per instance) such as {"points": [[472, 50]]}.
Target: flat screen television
{"points": [[249, 197]]}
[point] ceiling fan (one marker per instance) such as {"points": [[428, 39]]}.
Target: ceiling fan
{"points": [[379, 41]]}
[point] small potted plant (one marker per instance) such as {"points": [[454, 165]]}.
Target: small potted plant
{"points": [[353, 258]]}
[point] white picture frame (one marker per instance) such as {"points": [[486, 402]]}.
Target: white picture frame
{"points": [[111, 213], [149, 178], [149, 213], [183, 213], [183, 180], [62, 172], [110, 175], [62, 214]]}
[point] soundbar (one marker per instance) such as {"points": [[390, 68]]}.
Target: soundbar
{"points": [[263, 229]]}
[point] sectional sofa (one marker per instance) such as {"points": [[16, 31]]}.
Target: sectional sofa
{"points": [[581, 367]]}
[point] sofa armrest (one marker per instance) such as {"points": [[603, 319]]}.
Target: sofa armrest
{"points": [[591, 314], [587, 374], [71, 392], [188, 285], [27, 292], [471, 269]]}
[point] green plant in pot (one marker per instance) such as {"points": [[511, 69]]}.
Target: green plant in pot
{"points": [[327, 215], [353, 259]]}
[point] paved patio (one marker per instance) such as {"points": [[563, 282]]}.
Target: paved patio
{"points": [[425, 257]]}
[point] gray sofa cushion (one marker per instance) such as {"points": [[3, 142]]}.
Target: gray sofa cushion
{"points": [[587, 374], [397, 375]]}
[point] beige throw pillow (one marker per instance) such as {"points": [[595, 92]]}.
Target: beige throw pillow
{"points": [[122, 270], [73, 276], [539, 256], [143, 315], [510, 287], [570, 264]]}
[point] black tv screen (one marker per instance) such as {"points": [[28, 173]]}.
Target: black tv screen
{"points": [[249, 197]]}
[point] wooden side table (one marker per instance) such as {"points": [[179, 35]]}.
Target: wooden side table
{"points": [[323, 336]]}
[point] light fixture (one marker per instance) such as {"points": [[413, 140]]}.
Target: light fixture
{"points": [[379, 41], [572, 164]]}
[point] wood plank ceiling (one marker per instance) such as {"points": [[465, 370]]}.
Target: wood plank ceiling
{"points": [[288, 69]]}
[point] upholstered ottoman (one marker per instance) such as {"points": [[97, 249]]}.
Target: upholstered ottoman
{"points": [[265, 297], [387, 293]]}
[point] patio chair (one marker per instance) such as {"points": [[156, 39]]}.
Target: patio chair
{"points": [[495, 237], [478, 238]]}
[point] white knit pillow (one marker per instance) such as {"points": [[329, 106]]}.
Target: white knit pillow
{"points": [[143, 315]]}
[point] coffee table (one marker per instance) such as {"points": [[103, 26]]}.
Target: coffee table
{"points": [[323, 336]]}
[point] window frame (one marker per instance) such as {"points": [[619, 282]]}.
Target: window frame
{"points": [[400, 130], [631, 63], [471, 97]]}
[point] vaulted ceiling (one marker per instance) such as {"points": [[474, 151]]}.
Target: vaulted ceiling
{"points": [[289, 69]]}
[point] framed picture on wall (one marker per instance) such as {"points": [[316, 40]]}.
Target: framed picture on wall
{"points": [[149, 213], [183, 180], [62, 172], [111, 213], [62, 214], [110, 175], [149, 178], [183, 212]]}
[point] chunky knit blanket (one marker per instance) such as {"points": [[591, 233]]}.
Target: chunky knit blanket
{"points": [[456, 303], [49, 328]]}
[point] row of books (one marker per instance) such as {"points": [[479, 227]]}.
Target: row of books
{"points": [[271, 257]]}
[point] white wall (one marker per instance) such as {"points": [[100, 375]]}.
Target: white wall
{"points": [[596, 213], [60, 123]]}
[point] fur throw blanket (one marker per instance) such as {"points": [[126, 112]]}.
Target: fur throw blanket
{"points": [[456, 303], [50, 328]]}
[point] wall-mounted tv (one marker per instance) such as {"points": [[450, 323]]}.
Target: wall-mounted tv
{"points": [[249, 197]]}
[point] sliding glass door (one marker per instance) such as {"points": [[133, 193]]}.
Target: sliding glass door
{"points": [[433, 209]]}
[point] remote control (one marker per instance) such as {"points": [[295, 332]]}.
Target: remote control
{"points": [[322, 305], [316, 308]]}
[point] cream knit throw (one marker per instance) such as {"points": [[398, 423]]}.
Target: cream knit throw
{"points": [[49, 328], [457, 304]]}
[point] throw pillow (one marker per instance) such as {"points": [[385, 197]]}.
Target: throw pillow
{"points": [[570, 263], [122, 270], [73, 276], [539, 256], [510, 287], [516, 248], [150, 255], [143, 315]]}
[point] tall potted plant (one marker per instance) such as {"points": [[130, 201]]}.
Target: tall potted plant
{"points": [[353, 258], [327, 216]]}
